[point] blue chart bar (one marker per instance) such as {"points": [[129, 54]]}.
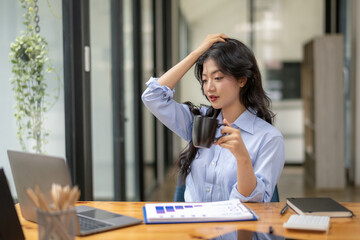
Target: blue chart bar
{"points": [[160, 209], [169, 209]]}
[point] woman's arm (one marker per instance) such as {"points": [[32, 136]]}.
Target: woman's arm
{"points": [[267, 167], [159, 100], [246, 178], [171, 77], [158, 97]]}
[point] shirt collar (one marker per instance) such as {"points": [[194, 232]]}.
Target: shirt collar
{"points": [[244, 122]]}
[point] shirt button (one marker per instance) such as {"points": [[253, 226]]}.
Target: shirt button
{"points": [[208, 189], [212, 163]]}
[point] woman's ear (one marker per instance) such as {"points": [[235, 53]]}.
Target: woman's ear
{"points": [[242, 81]]}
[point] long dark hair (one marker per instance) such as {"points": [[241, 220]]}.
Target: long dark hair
{"points": [[235, 59]]}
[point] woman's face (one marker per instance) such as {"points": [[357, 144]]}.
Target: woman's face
{"points": [[221, 90]]}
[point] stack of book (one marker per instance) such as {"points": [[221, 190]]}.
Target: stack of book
{"points": [[319, 206]]}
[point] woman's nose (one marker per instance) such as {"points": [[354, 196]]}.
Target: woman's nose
{"points": [[210, 86]]}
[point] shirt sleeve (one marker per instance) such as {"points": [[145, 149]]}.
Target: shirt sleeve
{"points": [[159, 100], [267, 167]]}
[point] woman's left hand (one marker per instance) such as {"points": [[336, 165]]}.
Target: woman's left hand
{"points": [[232, 140], [246, 179]]}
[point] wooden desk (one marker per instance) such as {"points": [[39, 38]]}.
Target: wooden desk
{"points": [[269, 213]]}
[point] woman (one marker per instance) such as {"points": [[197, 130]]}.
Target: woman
{"points": [[245, 163]]}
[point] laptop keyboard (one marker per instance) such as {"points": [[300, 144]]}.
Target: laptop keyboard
{"points": [[87, 224]]}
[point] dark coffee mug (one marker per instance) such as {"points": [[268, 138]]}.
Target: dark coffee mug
{"points": [[203, 132]]}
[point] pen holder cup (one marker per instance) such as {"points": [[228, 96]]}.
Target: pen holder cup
{"points": [[57, 225]]}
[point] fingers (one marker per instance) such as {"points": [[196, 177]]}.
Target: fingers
{"points": [[209, 41], [220, 37], [226, 122], [231, 135], [223, 36], [226, 129], [232, 140]]}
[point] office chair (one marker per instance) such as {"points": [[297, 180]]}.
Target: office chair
{"points": [[275, 197], [180, 190]]}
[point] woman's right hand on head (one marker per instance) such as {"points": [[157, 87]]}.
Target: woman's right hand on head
{"points": [[209, 41], [172, 76]]}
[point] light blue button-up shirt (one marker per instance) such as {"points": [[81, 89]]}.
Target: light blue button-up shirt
{"points": [[213, 175]]}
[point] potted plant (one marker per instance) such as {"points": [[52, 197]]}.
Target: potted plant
{"points": [[30, 67]]}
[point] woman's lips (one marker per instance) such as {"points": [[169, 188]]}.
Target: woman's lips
{"points": [[213, 98]]}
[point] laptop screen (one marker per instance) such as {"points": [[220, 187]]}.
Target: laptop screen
{"points": [[29, 169]]}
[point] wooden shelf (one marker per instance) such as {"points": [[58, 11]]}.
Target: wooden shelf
{"points": [[323, 102]]}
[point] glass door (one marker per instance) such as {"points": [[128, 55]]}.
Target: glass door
{"points": [[101, 99]]}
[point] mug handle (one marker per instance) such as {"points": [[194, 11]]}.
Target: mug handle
{"points": [[219, 125]]}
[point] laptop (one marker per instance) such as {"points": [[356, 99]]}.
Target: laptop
{"points": [[10, 228], [30, 169]]}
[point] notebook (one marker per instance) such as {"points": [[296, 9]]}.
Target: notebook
{"points": [[321, 206], [10, 228], [220, 211], [31, 169]]}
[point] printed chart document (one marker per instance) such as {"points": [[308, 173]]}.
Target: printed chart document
{"points": [[221, 211]]}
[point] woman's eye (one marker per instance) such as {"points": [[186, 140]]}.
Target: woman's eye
{"points": [[218, 78], [204, 81]]}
